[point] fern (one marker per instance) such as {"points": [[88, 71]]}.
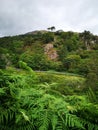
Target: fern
{"points": [[91, 95], [44, 120], [24, 106], [54, 121]]}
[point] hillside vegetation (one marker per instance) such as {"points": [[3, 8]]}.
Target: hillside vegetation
{"points": [[49, 81]]}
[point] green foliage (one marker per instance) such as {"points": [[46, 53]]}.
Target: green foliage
{"points": [[92, 76], [91, 95], [71, 40], [16, 46], [39, 61], [23, 65], [63, 52], [65, 84], [2, 62], [30, 47], [25, 106], [48, 37], [51, 100], [71, 62]]}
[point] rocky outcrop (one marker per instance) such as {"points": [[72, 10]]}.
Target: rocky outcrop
{"points": [[50, 51]]}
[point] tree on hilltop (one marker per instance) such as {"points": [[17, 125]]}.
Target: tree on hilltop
{"points": [[51, 28]]}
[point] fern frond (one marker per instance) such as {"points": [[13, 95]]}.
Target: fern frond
{"points": [[91, 95], [44, 120], [2, 91], [54, 121]]}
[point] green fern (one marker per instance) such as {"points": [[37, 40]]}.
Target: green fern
{"points": [[24, 106]]}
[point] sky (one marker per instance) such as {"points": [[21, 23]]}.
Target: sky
{"points": [[22, 16]]}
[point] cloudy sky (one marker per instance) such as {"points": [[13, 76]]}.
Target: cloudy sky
{"points": [[22, 16]]}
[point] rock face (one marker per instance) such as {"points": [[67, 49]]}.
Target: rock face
{"points": [[50, 52]]}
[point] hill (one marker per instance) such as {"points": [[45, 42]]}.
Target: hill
{"points": [[52, 46], [49, 81], [47, 50]]}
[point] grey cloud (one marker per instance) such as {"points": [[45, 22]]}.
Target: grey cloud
{"points": [[21, 16]]}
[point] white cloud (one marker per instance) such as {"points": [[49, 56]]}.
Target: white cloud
{"points": [[21, 16]]}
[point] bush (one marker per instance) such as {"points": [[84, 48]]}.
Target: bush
{"points": [[2, 62], [48, 37]]}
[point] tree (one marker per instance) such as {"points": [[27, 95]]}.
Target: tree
{"points": [[87, 38], [36, 61], [2, 62], [48, 37], [71, 62], [51, 28], [92, 76]]}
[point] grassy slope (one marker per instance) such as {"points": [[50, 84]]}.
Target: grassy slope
{"points": [[64, 83]]}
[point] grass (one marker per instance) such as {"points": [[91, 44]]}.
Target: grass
{"points": [[65, 84]]}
